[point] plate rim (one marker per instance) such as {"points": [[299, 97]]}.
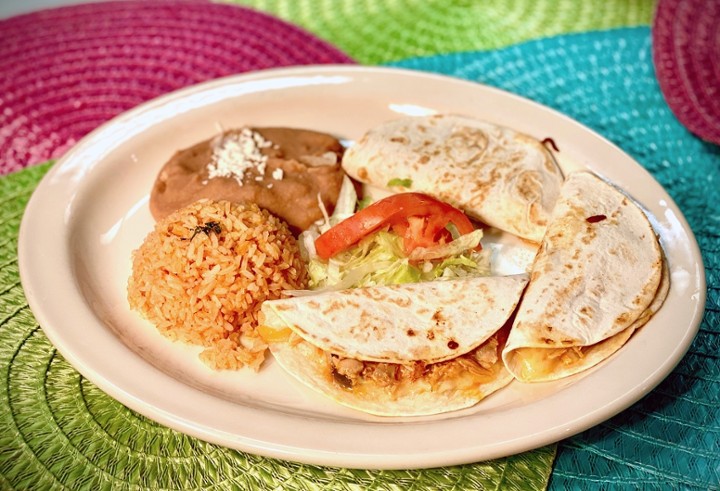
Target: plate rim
{"points": [[36, 294]]}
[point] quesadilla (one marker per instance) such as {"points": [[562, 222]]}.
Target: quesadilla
{"points": [[599, 275], [398, 350], [503, 178]]}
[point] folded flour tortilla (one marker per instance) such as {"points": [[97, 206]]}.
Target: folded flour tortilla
{"points": [[400, 350], [599, 275], [503, 178]]}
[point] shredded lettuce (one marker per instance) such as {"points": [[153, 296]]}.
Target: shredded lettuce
{"points": [[344, 208], [397, 181], [379, 260], [457, 246], [364, 203]]}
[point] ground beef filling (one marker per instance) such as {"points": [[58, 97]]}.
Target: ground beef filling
{"points": [[283, 170]]}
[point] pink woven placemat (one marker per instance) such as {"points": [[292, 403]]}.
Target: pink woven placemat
{"points": [[64, 71], [686, 54]]}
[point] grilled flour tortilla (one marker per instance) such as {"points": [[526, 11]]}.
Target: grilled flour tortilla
{"points": [[400, 350], [503, 178], [599, 275]]}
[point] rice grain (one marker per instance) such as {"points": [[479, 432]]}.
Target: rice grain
{"points": [[207, 289]]}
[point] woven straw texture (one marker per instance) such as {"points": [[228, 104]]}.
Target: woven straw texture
{"points": [[671, 438], [57, 430], [686, 51], [65, 71], [380, 31]]}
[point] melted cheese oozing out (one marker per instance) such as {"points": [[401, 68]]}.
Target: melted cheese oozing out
{"points": [[532, 363]]}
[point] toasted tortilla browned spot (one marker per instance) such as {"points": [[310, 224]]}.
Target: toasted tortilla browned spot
{"points": [[385, 389], [435, 311], [594, 282], [442, 356], [496, 175]]}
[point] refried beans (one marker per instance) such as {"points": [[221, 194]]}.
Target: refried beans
{"points": [[280, 169]]}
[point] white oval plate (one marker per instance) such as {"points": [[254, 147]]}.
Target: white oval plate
{"points": [[90, 212]]}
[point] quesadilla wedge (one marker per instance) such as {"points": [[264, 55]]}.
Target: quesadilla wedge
{"points": [[599, 275], [398, 350], [503, 178]]}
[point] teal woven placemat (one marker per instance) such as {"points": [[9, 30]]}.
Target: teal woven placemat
{"points": [[59, 431], [671, 438], [379, 31]]}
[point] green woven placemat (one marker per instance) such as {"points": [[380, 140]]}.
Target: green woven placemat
{"points": [[59, 431], [379, 31]]}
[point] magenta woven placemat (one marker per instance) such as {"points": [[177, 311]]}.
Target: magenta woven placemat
{"points": [[64, 71], [686, 54]]}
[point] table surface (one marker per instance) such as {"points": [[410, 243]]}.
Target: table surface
{"points": [[591, 61]]}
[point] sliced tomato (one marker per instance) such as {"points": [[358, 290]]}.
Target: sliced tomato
{"points": [[423, 232], [420, 219]]}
